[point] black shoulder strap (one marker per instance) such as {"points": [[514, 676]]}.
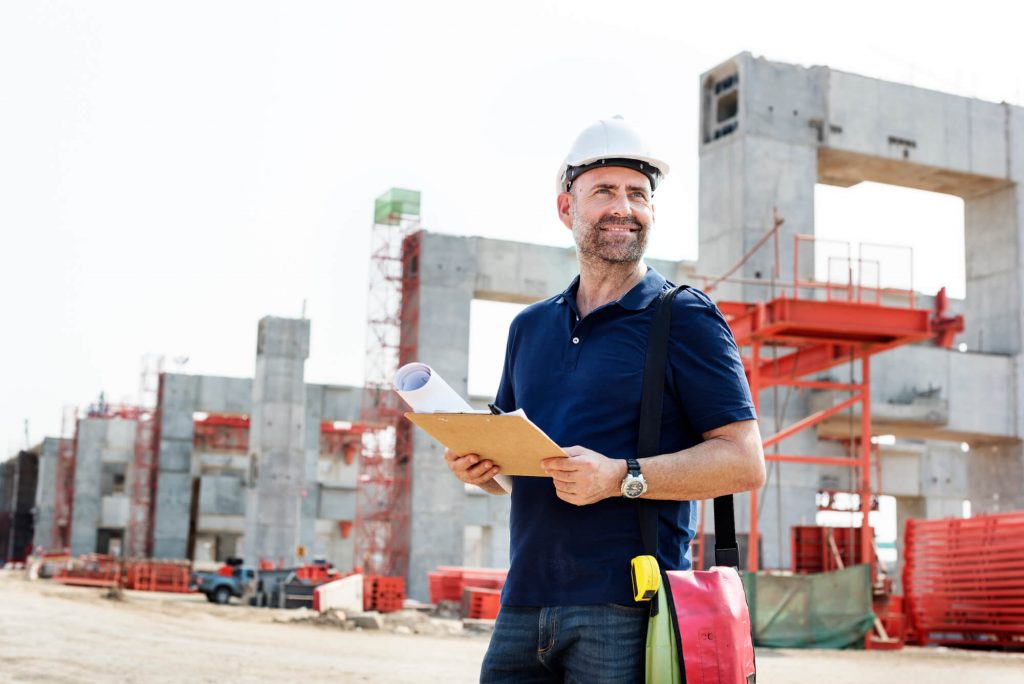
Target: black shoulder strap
{"points": [[648, 444]]}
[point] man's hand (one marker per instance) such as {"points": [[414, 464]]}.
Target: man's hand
{"points": [[586, 476], [470, 468]]}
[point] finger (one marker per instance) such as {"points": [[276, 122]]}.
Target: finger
{"points": [[576, 450], [466, 462], [480, 469], [566, 487], [487, 476], [559, 463]]}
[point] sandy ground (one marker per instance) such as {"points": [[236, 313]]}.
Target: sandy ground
{"points": [[53, 633]]}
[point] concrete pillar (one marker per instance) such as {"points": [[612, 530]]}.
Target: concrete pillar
{"points": [[996, 478], [907, 508], [448, 269], [277, 478], [85, 515], [314, 404], [174, 478], [46, 487], [768, 159], [992, 232]]}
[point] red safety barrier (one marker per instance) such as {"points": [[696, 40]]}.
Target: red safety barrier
{"points": [[169, 576], [383, 594], [817, 549], [963, 580], [447, 583], [90, 570], [483, 604], [315, 573]]}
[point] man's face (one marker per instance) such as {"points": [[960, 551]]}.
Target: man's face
{"points": [[609, 211]]}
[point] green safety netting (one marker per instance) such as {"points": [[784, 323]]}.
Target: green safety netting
{"points": [[394, 204], [826, 610]]}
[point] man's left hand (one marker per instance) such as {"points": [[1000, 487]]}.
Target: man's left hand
{"points": [[586, 476]]}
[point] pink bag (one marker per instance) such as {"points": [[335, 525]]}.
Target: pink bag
{"points": [[714, 625]]}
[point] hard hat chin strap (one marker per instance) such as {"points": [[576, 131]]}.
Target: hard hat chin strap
{"points": [[652, 173]]}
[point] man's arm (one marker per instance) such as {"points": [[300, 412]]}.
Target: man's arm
{"points": [[730, 459]]}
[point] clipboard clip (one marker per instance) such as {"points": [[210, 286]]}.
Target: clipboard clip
{"points": [[495, 410]]}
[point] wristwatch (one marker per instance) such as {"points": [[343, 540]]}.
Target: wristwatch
{"points": [[633, 485]]}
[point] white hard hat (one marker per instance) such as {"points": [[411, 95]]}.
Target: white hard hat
{"points": [[609, 142]]}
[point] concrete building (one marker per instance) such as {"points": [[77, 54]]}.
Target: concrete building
{"points": [[768, 133]]}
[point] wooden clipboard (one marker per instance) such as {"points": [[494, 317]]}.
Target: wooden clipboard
{"points": [[512, 442]]}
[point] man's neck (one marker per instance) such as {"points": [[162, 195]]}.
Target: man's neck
{"points": [[604, 282]]}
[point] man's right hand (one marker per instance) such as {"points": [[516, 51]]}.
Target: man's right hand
{"points": [[470, 468]]}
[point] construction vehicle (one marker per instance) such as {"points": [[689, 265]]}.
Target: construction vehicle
{"points": [[232, 579]]}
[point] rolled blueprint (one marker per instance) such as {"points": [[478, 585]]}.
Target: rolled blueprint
{"points": [[426, 392]]}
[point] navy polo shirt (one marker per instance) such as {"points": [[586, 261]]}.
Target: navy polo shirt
{"points": [[580, 381]]}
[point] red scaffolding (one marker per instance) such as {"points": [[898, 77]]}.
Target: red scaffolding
{"points": [[812, 327], [64, 489], [382, 498], [138, 541]]}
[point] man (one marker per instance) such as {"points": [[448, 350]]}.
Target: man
{"points": [[574, 363]]}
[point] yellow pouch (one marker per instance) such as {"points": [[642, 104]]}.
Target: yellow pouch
{"points": [[646, 577]]}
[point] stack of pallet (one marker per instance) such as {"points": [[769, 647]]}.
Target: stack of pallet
{"points": [[964, 580], [91, 570], [149, 575], [448, 583], [383, 594]]}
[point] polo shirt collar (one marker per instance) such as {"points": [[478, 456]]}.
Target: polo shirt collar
{"points": [[639, 297]]}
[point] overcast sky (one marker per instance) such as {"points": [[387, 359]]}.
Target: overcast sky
{"points": [[171, 172]]}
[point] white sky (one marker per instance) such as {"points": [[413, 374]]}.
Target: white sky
{"points": [[171, 172]]}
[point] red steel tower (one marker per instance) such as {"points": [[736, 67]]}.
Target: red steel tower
{"points": [[382, 498]]}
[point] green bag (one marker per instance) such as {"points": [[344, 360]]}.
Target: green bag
{"points": [[663, 665]]}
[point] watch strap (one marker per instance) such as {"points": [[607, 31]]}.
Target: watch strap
{"points": [[632, 467]]}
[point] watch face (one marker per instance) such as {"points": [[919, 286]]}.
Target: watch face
{"points": [[633, 488]]}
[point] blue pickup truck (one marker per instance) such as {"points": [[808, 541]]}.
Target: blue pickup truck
{"points": [[220, 588]]}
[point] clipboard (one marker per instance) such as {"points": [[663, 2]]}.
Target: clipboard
{"points": [[515, 444]]}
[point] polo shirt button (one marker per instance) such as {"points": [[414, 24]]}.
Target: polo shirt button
{"points": [[575, 340]]}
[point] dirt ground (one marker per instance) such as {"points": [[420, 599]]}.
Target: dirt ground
{"points": [[54, 633]]}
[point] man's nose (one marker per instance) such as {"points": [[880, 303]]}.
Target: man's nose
{"points": [[621, 206]]}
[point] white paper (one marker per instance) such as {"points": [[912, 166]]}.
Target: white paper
{"points": [[426, 392]]}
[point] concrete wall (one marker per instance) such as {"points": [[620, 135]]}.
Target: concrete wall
{"points": [[101, 442], [274, 511], [45, 493]]}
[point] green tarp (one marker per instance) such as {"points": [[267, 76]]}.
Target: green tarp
{"points": [[395, 204], [827, 610]]}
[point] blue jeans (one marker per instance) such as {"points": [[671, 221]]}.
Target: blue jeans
{"points": [[592, 644]]}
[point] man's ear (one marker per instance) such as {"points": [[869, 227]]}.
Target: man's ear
{"points": [[565, 209]]}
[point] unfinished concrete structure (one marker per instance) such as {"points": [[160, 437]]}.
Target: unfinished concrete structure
{"points": [[769, 132], [103, 452]]}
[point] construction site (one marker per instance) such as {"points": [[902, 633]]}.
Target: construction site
{"points": [[336, 505]]}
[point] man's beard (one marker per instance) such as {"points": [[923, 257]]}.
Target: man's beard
{"points": [[592, 242]]}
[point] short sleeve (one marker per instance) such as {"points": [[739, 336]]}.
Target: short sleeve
{"points": [[706, 373], [505, 399]]}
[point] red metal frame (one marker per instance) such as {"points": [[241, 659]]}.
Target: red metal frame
{"points": [[221, 433], [64, 489], [382, 497], [138, 538], [814, 336]]}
